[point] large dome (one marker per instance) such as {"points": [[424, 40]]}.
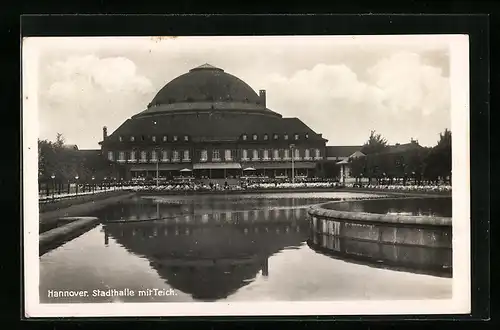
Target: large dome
{"points": [[206, 83], [207, 88]]}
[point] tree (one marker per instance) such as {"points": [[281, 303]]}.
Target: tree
{"points": [[358, 167], [375, 144], [438, 162]]}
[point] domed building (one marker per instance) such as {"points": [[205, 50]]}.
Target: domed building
{"points": [[209, 124]]}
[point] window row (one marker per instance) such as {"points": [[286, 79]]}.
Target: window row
{"points": [[142, 157], [255, 137], [216, 155], [280, 154], [154, 138]]}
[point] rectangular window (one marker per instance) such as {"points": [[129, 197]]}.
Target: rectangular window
{"points": [[132, 156], [286, 136], [121, 156], [143, 156], [228, 155], [266, 154], [164, 138], [203, 156], [186, 155], [286, 154], [110, 155], [175, 137], [244, 155], [175, 156], [317, 154], [153, 138], [132, 138], [276, 154], [120, 138], [296, 136], [153, 156], [306, 154], [216, 155], [186, 138], [164, 156], [255, 154]]}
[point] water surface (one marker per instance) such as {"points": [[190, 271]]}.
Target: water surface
{"points": [[218, 248], [439, 206]]}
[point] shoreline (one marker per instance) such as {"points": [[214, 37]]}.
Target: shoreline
{"points": [[52, 219], [297, 190]]}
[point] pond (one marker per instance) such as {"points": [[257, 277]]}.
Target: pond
{"points": [[439, 206], [218, 248]]}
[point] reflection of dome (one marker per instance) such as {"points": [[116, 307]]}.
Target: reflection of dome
{"points": [[209, 261], [206, 83]]}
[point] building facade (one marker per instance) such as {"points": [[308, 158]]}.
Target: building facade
{"points": [[209, 124]]}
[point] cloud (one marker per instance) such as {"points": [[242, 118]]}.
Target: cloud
{"points": [[400, 97], [87, 89], [338, 89], [411, 85]]}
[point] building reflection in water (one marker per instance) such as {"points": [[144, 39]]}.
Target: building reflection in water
{"points": [[209, 255]]}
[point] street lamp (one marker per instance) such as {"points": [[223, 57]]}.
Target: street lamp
{"points": [[76, 184], [292, 147], [93, 185], [53, 185], [157, 161]]}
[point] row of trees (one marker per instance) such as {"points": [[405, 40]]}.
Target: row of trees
{"points": [[411, 161], [60, 164]]}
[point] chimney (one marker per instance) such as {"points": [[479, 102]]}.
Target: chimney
{"points": [[104, 133], [262, 95]]}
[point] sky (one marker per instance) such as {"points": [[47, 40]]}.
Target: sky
{"points": [[342, 87]]}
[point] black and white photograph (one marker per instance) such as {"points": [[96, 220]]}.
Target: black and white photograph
{"points": [[256, 175]]}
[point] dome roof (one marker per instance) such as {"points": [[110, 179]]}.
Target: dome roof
{"points": [[205, 83]]}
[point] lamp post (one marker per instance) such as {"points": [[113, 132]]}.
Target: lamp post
{"points": [[76, 184], [93, 185], [292, 147], [157, 162], [53, 185]]}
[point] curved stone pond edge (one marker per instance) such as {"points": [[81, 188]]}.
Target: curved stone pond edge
{"points": [[321, 212]]}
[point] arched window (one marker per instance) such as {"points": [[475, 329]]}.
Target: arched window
{"points": [[296, 153], [203, 155], [164, 156], [276, 154], [216, 155], [255, 154], [244, 154], [175, 156]]}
